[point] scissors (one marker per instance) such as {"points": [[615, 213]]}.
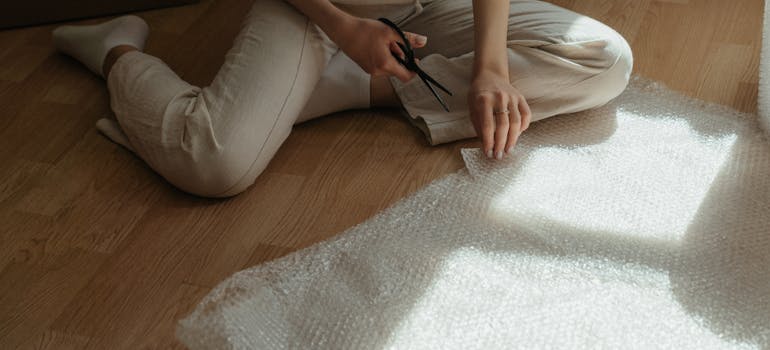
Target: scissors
{"points": [[411, 64]]}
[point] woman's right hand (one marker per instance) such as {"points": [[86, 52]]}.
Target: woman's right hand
{"points": [[370, 43]]}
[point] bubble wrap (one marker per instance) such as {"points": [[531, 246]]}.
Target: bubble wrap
{"points": [[642, 224]]}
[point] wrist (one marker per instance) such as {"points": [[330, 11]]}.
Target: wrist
{"points": [[484, 71], [336, 22]]}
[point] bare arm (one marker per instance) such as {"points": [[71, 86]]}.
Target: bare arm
{"points": [[323, 13], [490, 36], [498, 110]]}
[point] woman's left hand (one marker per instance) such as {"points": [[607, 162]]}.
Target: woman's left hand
{"points": [[499, 112]]}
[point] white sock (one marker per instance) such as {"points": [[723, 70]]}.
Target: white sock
{"points": [[343, 85], [90, 44]]}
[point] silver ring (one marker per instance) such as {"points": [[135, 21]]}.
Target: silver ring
{"points": [[505, 111]]}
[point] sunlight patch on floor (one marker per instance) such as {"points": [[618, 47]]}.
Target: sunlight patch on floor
{"points": [[647, 187]]}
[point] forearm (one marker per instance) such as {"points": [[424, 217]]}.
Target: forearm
{"points": [[490, 19], [323, 13]]}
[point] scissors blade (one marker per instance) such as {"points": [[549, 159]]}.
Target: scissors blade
{"points": [[427, 77], [433, 91], [408, 54], [410, 63]]}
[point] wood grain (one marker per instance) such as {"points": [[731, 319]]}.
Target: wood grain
{"points": [[98, 252]]}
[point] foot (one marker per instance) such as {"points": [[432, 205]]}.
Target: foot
{"points": [[90, 44]]}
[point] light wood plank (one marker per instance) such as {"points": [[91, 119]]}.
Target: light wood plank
{"points": [[32, 292], [53, 340]]}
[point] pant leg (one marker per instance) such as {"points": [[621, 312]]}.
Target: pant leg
{"points": [[561, 61], [398, 11], [214, 141]]}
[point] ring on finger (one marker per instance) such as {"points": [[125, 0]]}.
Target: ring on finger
{"points": [[505, 111]]}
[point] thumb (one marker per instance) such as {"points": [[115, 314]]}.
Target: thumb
{"points": [[416, 40]]}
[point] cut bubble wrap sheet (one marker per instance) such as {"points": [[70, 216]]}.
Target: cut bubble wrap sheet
{"points": [[641, 224]]}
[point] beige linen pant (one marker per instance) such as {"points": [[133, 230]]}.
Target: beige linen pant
{"points": [[214, 141]]}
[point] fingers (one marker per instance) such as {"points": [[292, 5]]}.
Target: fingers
{"points": [[526, 114], [500, 127], [499, 113], [502, 124], [381, 61], [485, 123], [515, 121], [397, 50], [416, 40], [393, 67]]}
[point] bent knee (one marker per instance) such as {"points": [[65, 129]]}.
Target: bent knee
{"points": [[623, 59], [615, 72], [220, 175], [598, 57], [619, 74]]}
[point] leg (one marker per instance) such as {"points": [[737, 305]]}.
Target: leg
{"points": [[345, 86], [90, 44], [561, 61], [113, 55], [214, 141]]}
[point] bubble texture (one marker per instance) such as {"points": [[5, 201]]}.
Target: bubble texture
{"points": [[642, 224]]}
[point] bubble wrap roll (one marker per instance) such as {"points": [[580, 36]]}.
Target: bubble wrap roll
{"points": [[642, 224]]}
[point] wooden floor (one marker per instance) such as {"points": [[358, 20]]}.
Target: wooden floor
{"points": [[96, 251]]}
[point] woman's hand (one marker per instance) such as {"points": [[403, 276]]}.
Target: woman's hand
{"points": [[498, 111], [370, 43]]}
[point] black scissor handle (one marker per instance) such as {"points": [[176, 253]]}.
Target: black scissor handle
{"points": [[411, 64], [400, 33]]}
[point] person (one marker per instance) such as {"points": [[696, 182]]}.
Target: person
{"points": [[508, 63]]}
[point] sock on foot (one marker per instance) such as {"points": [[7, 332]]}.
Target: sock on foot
{"points": [[90, 44], [343, 85]]}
